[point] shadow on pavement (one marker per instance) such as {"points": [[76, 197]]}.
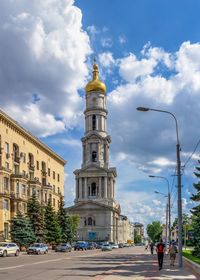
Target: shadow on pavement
{"points": [[137, 266]]}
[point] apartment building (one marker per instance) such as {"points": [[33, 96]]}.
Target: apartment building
{"points": [[27, 166]]}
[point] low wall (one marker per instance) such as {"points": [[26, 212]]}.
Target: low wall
{"points": [[192, 266]]}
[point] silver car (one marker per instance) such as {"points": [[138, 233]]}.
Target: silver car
{"points": [[106, 247], [8, 248]]}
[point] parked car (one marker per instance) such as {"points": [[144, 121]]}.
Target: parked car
{"points": [[81, 245], [114, 246], [99, 245], [37, 248], [106, 247], [91, 245], [63, 247], [121, 245], [7, 248]]}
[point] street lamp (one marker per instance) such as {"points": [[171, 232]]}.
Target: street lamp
{"points": [[166, 217], [169, 202], [145, 109]]}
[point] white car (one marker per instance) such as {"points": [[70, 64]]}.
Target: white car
{"points": [[8, 248], [106, 247], [115, 246]]}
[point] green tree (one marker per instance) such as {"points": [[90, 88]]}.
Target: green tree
{"points": [[137, 239], [21, 230], [196, 213], [73, 222], [35, 214], [154, 230], [52, 231], [63, 221]]}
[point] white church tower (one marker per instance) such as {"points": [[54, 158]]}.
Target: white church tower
{"points": [[95, 181]]}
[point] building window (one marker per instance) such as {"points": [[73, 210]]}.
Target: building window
{"points": [[54, 175], [6, 183], [54, 202], [58, 178], [89, 221], [50, 197], [93, 189], [49, 172], [7, 165], [6, 230], [45, 197], [93, 122], [38, 165], [54, 188], [58, 190], [24, 207], [16, 153], [31, 160], [43, 166], [6, 148], [94, 156], [6, 204], [17, 187], [24, 189]]}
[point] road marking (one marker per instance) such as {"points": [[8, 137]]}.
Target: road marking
{"points": [[11, 267]]}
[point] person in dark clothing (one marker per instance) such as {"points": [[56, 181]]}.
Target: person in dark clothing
{"points": [[151, 247], [160, 249]]}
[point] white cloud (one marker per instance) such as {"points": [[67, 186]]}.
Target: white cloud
{"points": [[43, 53], [122, 40], [156, 202], [106, 42], [106, 59]]}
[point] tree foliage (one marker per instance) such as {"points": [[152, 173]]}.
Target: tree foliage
{"points": [[137, 239], [196, 214], [63, 221], [154, 230], [34, 212], [21, 230], [52, 231]]}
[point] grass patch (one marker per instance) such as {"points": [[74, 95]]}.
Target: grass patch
{"points": [[188, 255]]}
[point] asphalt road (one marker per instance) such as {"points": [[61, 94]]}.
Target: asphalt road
{"points": [[53, 266], [132, 263]]}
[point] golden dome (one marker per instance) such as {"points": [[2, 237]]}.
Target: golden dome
{"points": [[95, 84]]}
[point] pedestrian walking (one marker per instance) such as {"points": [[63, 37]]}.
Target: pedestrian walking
{"points": [[172, 252], [151, 247], [160, 249]]}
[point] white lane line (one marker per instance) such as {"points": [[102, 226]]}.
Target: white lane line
{"points": [[46, 261], [11, 267]]}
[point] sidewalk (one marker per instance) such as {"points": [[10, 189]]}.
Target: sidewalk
{"points": [[145, 266]]}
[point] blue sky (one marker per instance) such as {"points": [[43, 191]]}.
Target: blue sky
{"points": [[148, 54]]}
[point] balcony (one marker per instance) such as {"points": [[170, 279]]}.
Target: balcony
{"points": [[5, 193], [16, 159], [44, 173], [31, 166], [19, 176], [47, 187], [2, 168], [34, 181]]}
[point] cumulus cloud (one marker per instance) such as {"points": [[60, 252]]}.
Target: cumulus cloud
{"points": [[43, 53], [106, 59]]}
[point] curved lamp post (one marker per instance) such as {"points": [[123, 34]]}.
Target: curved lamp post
{"points": [[169, 202], [166, 216], [145, 109]]}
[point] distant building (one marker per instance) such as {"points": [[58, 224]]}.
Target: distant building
{"points": [[139, 230], [27, 166], [125, 230], [96, 182]]}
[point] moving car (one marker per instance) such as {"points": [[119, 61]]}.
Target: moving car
{"points": [[63, 247], [81, 245], [37, 248], [7, 248], [106, 247]]}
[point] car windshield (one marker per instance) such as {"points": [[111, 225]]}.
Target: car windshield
{"points": [[36, 245], [3, 244]]}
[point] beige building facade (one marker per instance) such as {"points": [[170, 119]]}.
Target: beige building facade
{"points": [[96, 182], [125, 230], [27, 166]]}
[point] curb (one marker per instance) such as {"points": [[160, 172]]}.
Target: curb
{"points": [[194, 267]]}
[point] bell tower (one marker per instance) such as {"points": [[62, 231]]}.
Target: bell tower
{"points": [[95, 180]]}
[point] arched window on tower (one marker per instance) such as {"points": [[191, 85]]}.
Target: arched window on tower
{"points": [[89, 221], [93, 122], [93, 189], [94, 156]]}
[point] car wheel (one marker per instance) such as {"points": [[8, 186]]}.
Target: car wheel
{"points": [[4, 254], [17, 253]]}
